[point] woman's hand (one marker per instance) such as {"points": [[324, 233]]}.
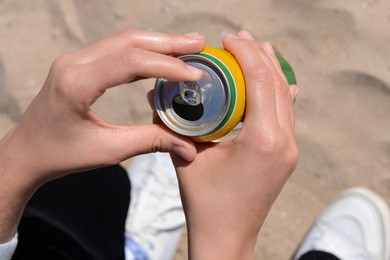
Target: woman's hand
{"points": [[228, 189], [59, 134]]}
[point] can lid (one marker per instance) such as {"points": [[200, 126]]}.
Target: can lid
{"points": [[194, 119]]}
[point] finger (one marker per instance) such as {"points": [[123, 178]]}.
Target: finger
{"points": [[284, 103], [127, 65], [245, 35], [176, 44], [134, 140], [123, 67], [260, 90], [294, 91], [271, 54], [277, 83]]}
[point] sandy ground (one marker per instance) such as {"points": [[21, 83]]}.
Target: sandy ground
{"points": [[340, 51]]}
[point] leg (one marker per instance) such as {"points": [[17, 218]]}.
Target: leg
{"points": [[155, 219], [80, 216]]}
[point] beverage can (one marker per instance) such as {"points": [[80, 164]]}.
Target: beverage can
{"points": [[208, 109]]}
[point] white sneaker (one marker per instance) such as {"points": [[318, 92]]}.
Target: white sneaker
{"points": [[155, 219], [355, 226]]}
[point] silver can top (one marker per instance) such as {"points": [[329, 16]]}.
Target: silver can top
{"points": [[194, 108]]}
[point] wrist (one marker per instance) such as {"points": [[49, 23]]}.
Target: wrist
{"points": [[218, 243], [15, 188]]}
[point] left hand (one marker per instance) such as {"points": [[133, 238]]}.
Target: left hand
{"points": [[60, 134]]}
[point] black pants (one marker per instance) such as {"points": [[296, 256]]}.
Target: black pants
{"points": [[80, 216]]}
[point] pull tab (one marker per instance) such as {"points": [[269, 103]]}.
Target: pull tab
{"points": [[190, 92]]}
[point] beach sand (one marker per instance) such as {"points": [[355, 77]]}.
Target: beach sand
{"points": [[340, 51]]}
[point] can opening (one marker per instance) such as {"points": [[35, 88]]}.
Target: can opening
{"points": [[194, 108], [190, 92], [185, 110]]}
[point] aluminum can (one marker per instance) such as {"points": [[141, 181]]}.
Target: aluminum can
{"points": [[210, 108]]}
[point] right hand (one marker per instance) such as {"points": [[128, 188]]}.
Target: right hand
{"points": [[228, 189]]}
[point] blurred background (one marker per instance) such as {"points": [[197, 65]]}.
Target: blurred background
{"points": [[340, 51]]}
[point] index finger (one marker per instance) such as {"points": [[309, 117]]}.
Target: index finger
{"points": [[169, 44], [255, 64], [94, 78]]}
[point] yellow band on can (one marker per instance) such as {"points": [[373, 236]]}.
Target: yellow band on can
{"points": [[236, 85]]}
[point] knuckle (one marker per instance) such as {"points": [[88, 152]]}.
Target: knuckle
{"points": [[288, 155], [292, 156], [267, 143], [157, 144], [262, 75], [129, 34], [271, 144], [66, 79], [281, 86], [66, 83], [59, 64], [278, 146], [60, 68], [133, 57]]}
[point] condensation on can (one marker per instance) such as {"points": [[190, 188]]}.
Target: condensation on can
{"points": [[222, 93]]}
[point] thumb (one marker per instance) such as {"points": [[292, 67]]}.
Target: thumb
{"points": [[135, 140]]}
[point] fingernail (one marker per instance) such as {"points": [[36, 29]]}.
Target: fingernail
{"points": [[246, 35], [194, 35], [194, 70], [230, 35], [268, 47], [295, 91]]}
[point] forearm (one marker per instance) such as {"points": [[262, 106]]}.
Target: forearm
{"points": [[220, 235]]}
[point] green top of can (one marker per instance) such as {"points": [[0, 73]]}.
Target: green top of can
{"points": [[287, 70]]}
